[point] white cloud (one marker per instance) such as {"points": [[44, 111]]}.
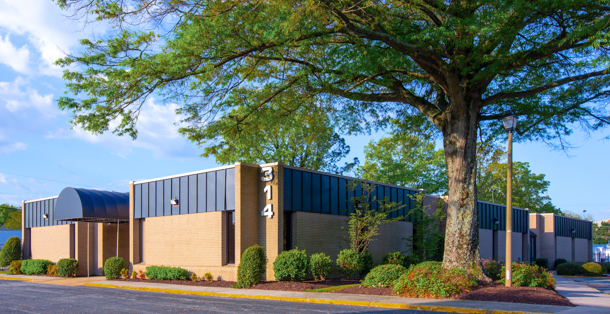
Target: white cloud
{"points": [[15, 58], [157, 131], [7, 148]]}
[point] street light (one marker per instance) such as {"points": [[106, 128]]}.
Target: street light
{"points": [[510, 124]]}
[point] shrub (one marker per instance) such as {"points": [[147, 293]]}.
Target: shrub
{"points": [[113, 266], [569, 269], [494, 268], [291, 265], [15, 268], [394, 258], [35, 266], [529, 275], [430, 280], [321, 266], [52, 270], [11, 251], [141, 275], [166, 273], [67, 267], [607, 265], [251, 267], [367, 264], [542, 262], [125, 273], [383, 275], [208, 277], [349, 263], [134, 275], [194, 277], [559, 261], [593, 269], [411, 260]]}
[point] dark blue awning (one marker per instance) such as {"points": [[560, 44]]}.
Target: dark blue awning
{"points": [[92, 205]]}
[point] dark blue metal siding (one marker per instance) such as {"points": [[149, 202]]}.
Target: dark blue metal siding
{"points": [[167, 199], [316, 193], [201, 192], [489, 213], [152, 199], [325, 191], [34, 212], [287, 189], [184, 195], [343, 197], [297, 191], [145, 200], [192, 194], [307, 191], [211, 194], [176, 195], [570, 227], [160, 202]]}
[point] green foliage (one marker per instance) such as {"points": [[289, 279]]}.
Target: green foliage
{"points": [[291, 265], [601, 233], [349, 263], [569, 269], [383, 275], [529, 275], [367, 264], [321, 266], [166, 273], [15, 267], [494, 268], [593, 269], [11, 250], [208, 277], [605, 264], [251, 267], [542, 262], [9, 215], [559, 261], [52, 270], [430, 280], [35, 266], [425, 243], [67, 267], [412, 260], [600, 240], [407, 159], [125, 273], [113, 267], [395, 258]]}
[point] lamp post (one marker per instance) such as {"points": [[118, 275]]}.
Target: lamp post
{"points": [[510, 123]]}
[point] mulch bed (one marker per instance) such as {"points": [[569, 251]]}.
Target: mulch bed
{"points": [[483, 292]]}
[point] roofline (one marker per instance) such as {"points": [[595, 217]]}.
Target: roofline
{"points": [[41, 199], [543, 214], [503, 205], [185, 174]]}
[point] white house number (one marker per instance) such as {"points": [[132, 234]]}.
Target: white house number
{"points": [[267, 176]]}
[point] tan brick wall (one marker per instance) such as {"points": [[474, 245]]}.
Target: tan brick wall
{"points": [[486, 244], [247, 212], [80, 238], [271, 229], [546, 238], [183, 240], [106, 244], [52, 243]]}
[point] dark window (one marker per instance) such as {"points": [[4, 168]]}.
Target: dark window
{"points": [[287, 189], [401, 201], [287, 230], [297, 204], [230, 236]]}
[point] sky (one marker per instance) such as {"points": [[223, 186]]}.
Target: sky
{"points": [[40, 154]]}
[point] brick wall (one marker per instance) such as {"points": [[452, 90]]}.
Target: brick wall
{"points": [[564, 249], [52, 242], [581, 253], [486, 243]]}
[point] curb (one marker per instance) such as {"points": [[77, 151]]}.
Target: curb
{"points": [[318, 301], [9, 278]]}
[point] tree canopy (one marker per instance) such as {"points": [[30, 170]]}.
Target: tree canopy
{"points": [[459, 64], [9, 215]]}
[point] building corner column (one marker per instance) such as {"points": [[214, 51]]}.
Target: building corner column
{"points": [[134, 231]]}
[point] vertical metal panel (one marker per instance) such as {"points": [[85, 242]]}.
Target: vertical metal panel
{"points": [[176, 194], [401, 201], [193, 194], [394, 192], [152, 199], [184, 195], [37, 224], [356, 194], [45, 204], [29, 215], [297, 190], [374, 198], [220, 189], [343, 197], [159, 192], [201, 192], [167, 197], [316, 193], [380, 195], [144, 200], [350, 194], [137, 211], [307, 191], [230, 189], [211, 192], [334, 195], [325, 192], [287, 189]]}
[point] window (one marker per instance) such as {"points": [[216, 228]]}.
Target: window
{"points": [[287, 230]]}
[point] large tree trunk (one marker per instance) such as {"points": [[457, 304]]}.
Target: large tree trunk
{"points": [[462, 231]]}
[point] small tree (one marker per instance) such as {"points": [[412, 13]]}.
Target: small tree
{"points": [[427, 240], [11, 251], [364, 222]]}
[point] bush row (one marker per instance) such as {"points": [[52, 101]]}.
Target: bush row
{"points": [[532, 275], [66, 267], [581, 269]]}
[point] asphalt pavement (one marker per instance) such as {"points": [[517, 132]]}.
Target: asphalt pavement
{"points": [[28, 297]]}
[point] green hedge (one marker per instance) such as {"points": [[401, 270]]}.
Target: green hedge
{"points": [[542, 262], [558, 262], [11, 251], [15, 268], [569, 269], [321, 266], [529, 275], [383, 275], [113, 267], [593, 269], [349, 263], [35, 266], [581, 269], [394, 258], [251, 267], [291, 265], [166, 273], [67, 267]]}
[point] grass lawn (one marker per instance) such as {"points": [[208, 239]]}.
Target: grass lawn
{"points": [[3, 271]]}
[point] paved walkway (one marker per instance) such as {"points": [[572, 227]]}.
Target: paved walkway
{"points": [[589, 300]]}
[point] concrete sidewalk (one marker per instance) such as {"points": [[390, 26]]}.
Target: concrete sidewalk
{"points": [[589, 300], [442, 305]]}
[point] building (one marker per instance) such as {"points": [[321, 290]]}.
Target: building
{"points": [[555, 236], [203, 221], [5, 234], [601, 252]]}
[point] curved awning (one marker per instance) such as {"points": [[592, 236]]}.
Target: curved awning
{"points": [[92, 206]]}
